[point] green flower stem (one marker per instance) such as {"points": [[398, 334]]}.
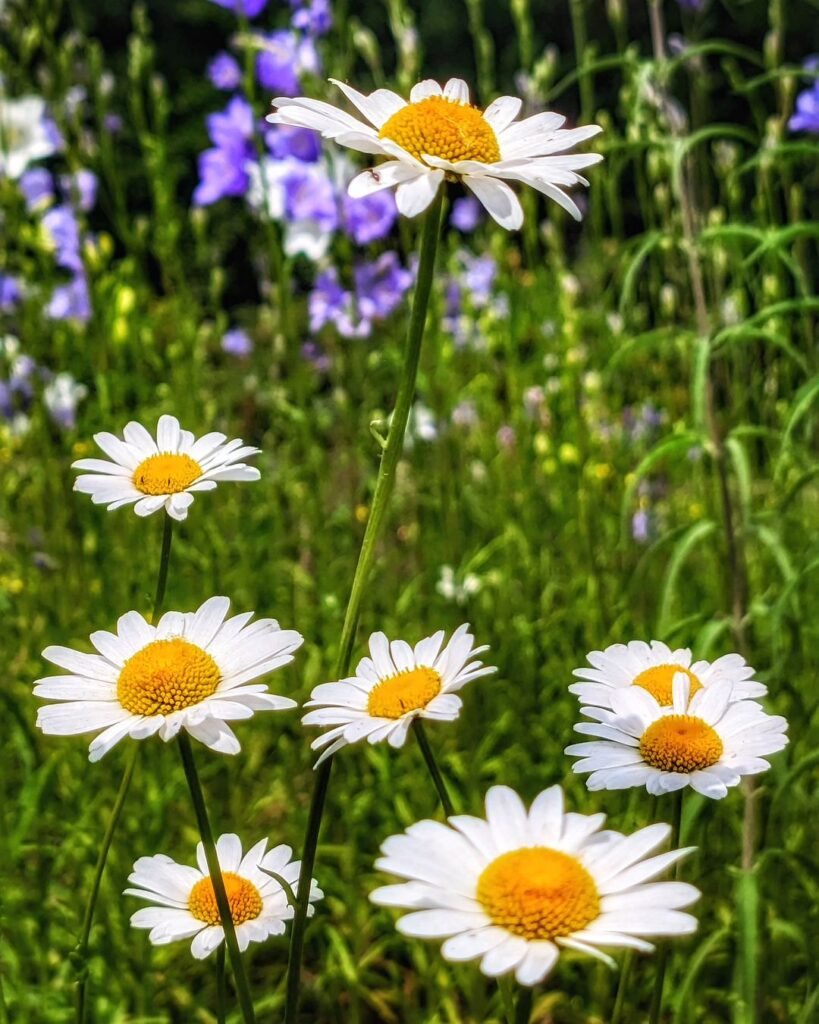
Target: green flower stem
{"points": [[662, 954], [432, 765], [383, 489], [622, 987], [215, 872], [80, 954], [221, 1001], [523, 1010]]}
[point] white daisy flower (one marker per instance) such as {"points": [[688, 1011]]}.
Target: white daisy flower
{"points": [[439, 135], [185, 902], [653, 667], [708, 741], [24, 134], [166, 471], [517, 887], [392, 687], [192, 670]]}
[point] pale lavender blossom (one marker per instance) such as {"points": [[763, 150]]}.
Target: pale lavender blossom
{"points": [[10, 292], [309, 196], [316, 356], [283, 56], [380, 286], [329, 303], [37, 187], [465, 414], [224, 72], [641, 526], [71, 301], [370, 218], [61, 396], [249, 8], [61, 226], [223, 170], [312, 16], [288, 142], [237, 342], [466, 214], [806, 116]]}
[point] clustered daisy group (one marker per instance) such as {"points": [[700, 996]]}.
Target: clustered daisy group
{"points": [[518, 885], [512, 888]]}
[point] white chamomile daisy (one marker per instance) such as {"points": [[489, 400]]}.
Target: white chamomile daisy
{"points": [[653, 668], [166, 471], [439, 135], [186, 903], [192, 670], [392, 687], [517, 887], [707, 741]]}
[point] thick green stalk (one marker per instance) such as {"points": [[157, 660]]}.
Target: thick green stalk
{"points": [[383, 489], [662, 953], [80, 954], [215, 872], [523, 1010], [432, 765]]}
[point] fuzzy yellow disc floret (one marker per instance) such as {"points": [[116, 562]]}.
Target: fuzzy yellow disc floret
{"points": [[659, 682], [538, 893], [166, 676], [680, 743], [406, 691], [243, 896], [166, 474], [443, 128]]}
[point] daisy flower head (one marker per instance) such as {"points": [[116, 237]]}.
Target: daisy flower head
{"points": [[439, 135], [165, 471], [193, 670], [707, 741], [515, 888], [653, 667], [394, 685], [184, 901]]}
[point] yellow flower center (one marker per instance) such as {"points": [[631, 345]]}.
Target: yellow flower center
{"points": [[166, 473], [680, 743], [659, 681], [406, 691], [538, 893], [443, 128], [244, 898], [166, 676]]}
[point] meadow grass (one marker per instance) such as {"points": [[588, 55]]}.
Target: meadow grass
{"points": [[659, 359]]}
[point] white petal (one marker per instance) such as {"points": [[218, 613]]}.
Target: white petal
{"points": [[498, 199], [413, 197]]}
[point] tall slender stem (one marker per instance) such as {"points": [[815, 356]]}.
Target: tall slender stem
{"points": [[622, 988], [80, 954], [221, 1001], [164, 562], [662, 953], [383, 489], [432, 765], [215, 872], [523, 1010]]}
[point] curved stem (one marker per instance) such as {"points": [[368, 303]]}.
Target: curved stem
{"points": [[215, 872], [662, 954], [80, 954], [383, 490], [432, 765]]}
